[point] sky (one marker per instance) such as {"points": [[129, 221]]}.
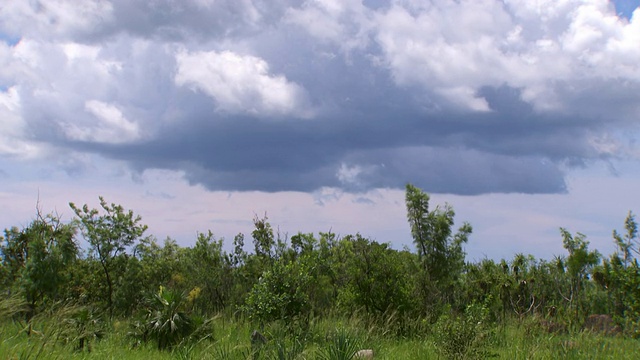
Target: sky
{"points": [[202, 114]]}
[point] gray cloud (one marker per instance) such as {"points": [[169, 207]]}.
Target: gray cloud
{"points": [[303, 95]]}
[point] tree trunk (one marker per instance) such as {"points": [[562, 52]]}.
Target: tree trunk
{"points": [[109, 288]]}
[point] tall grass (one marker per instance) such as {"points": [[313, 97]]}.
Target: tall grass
{"points": [[328, 338], [342, 346]]}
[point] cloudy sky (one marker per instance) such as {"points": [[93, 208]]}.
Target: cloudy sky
{"points": [[200, 114]]}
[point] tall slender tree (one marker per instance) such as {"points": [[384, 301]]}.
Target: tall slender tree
{"points": [[628, 243], [440, 252], [578, 265]]}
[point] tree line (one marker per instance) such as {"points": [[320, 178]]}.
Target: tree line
{"points": [[123, 272]]}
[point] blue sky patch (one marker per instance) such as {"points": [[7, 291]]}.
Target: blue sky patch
{"points": [[626, 7], [10, 40]]}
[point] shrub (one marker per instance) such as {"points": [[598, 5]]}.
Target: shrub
{"points": [[463, 336], [280, 294]]}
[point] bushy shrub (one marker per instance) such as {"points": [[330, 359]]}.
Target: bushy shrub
{"points": [[280, 294], [463, 336]]}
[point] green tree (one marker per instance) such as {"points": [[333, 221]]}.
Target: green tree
{"points": [[619, 275], [577, 266], [377, 280], [15, 251], [161, 265], [322, 267], [440, 252], [485, 282], [209, 269], [109, 235], [263, 239], [627, 244], [36, 259]]}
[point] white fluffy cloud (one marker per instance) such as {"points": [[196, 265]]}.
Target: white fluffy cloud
{"points": [[453, 49], [58, 19], [345, 24], [111, 126], [240, 84], [13, 128]]}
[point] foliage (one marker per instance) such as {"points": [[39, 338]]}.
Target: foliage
{"points": [[376, 277], [577, 265], [627, 244], [263, 239], [210, 271], [110, 235], [440, 252], [426, 302], [463, 336], [280, 294], [84, 325], [342, 346], [167, 322], [619, 276], [37, 260]]}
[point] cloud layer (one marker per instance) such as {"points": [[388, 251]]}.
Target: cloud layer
{"points": [[461, 97]]}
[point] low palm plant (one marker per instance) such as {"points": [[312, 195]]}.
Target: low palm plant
{"points": [[84, 325], [343, 346], [167, 321]]}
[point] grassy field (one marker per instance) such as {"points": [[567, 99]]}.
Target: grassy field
{"points": [[232, 340]]}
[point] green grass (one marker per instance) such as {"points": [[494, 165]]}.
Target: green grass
{"points": [[231, 340], [581, 345]]}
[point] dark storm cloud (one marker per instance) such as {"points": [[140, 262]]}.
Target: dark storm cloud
{"points": [[467, 154]]}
